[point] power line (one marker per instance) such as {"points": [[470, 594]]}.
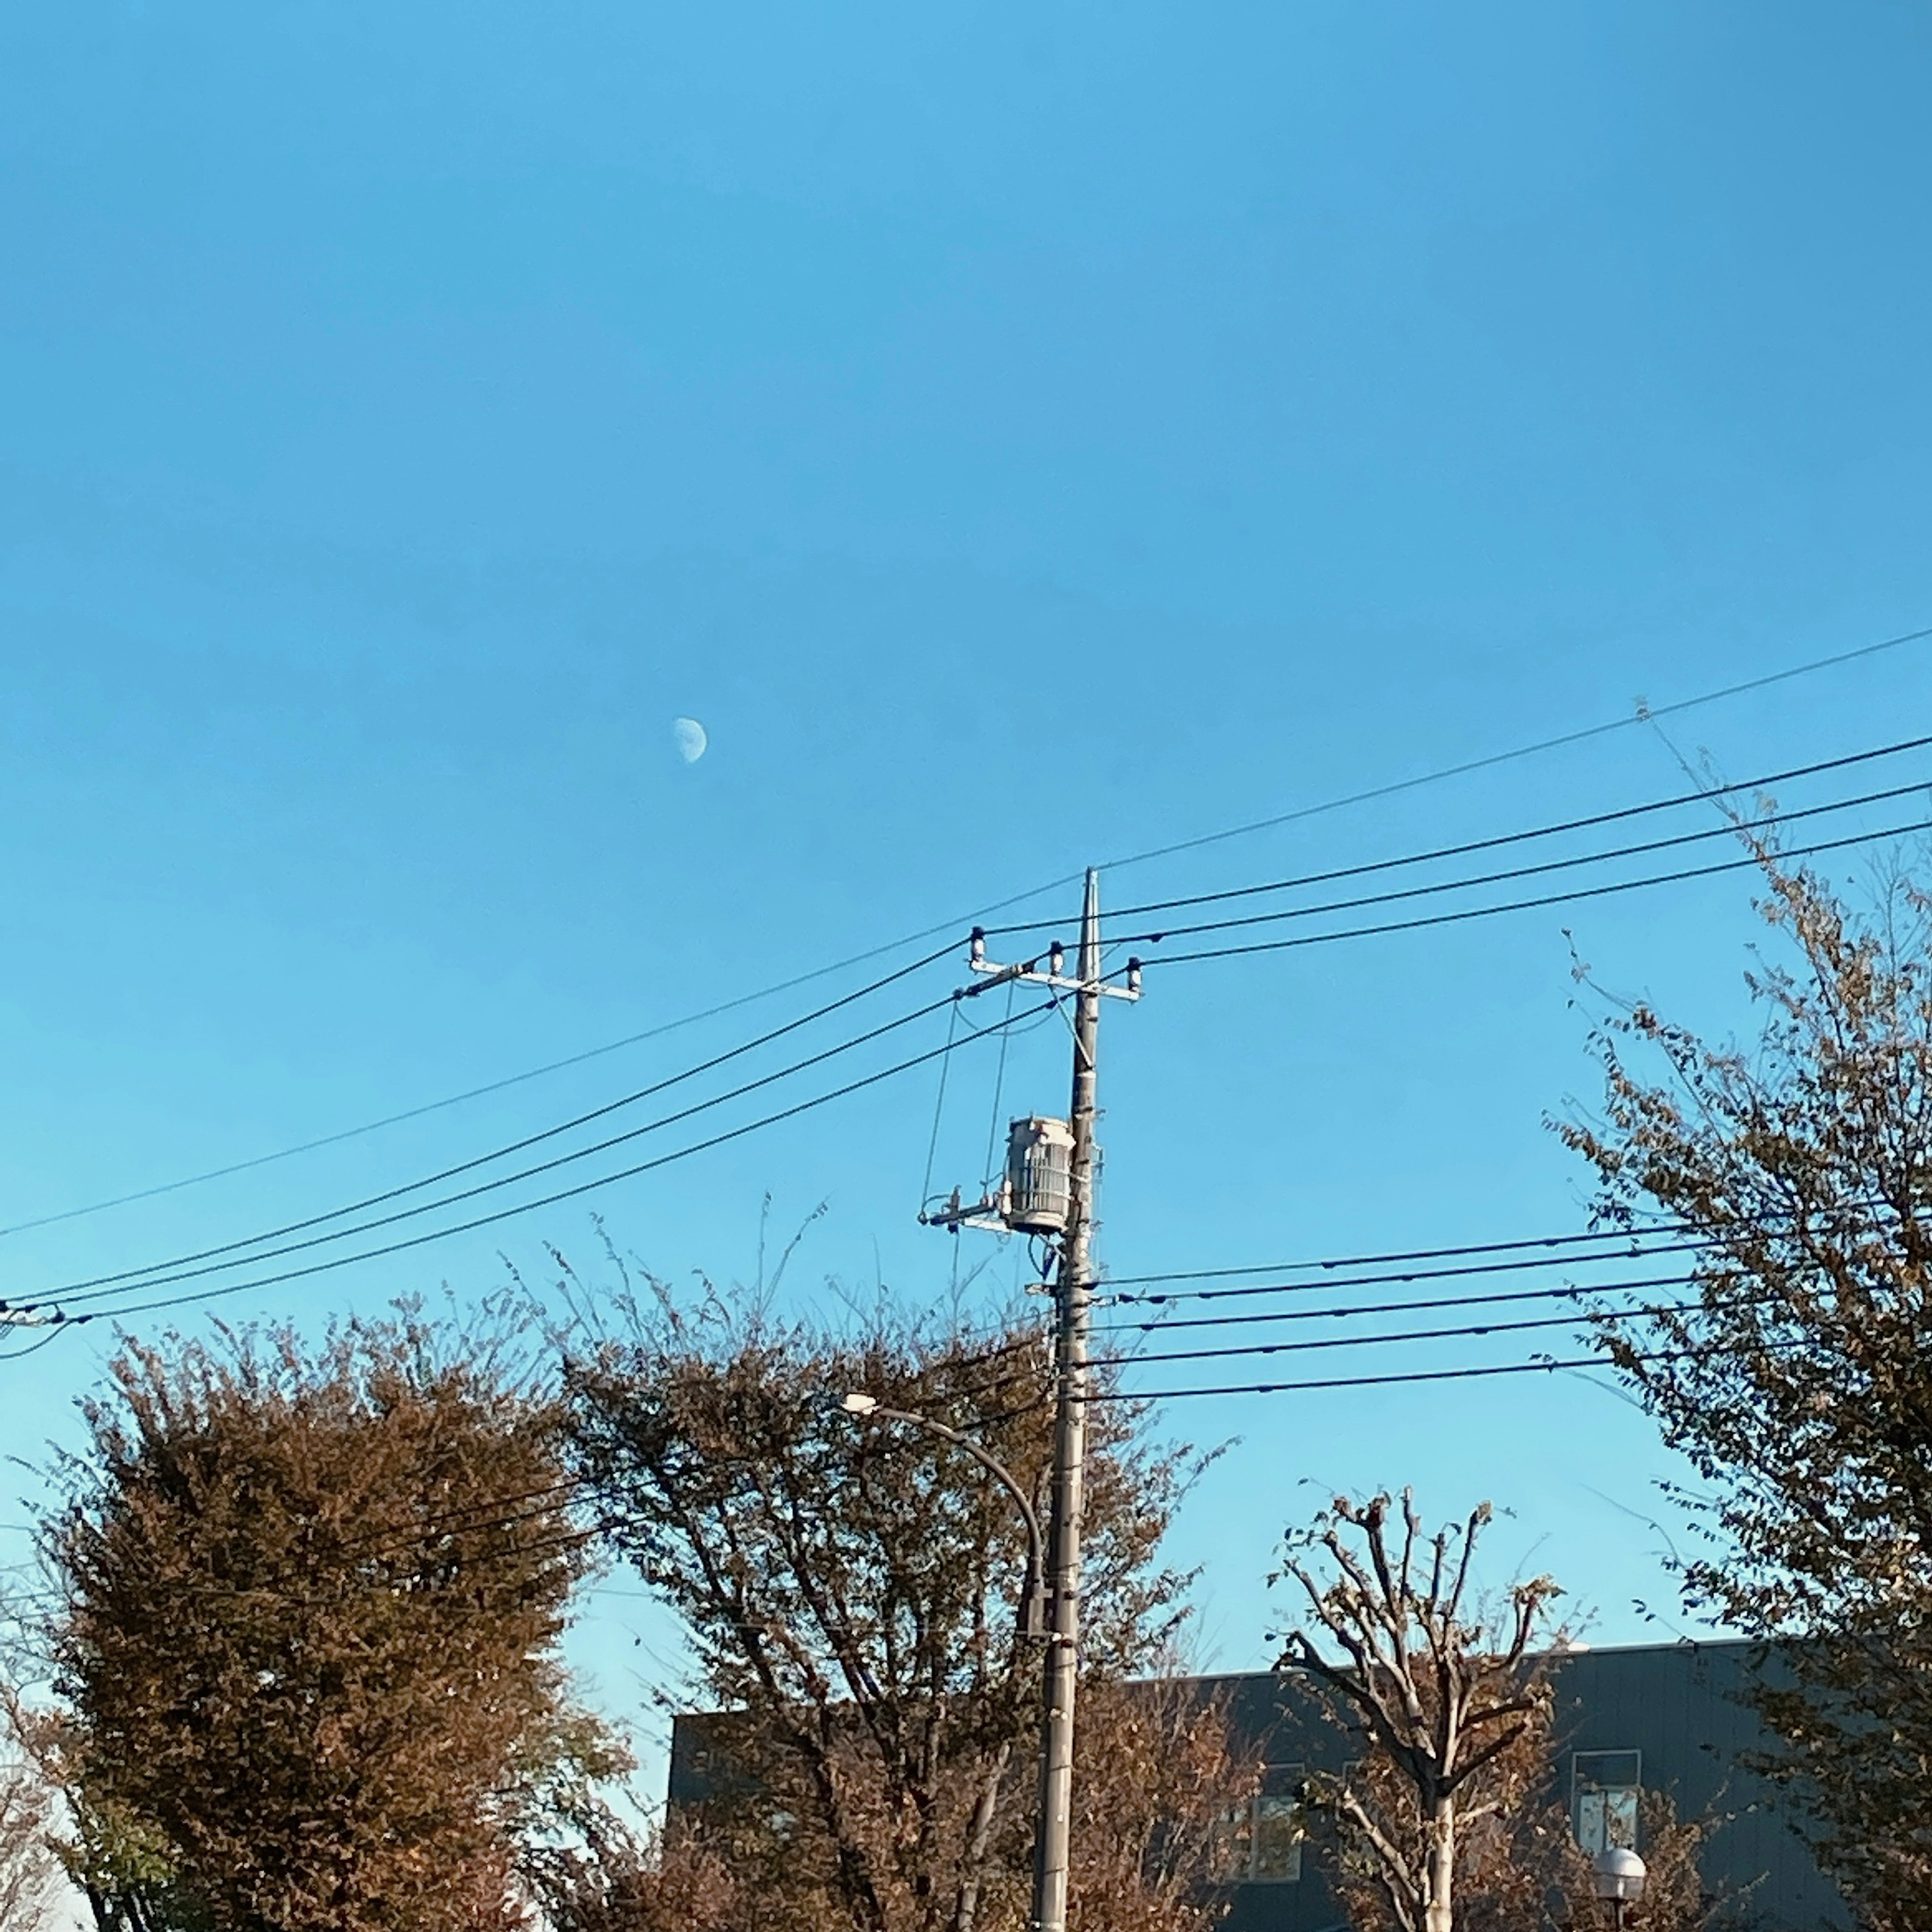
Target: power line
{"points": [[1644, 714], [549, 1200], [1630, 1252], [156, 1273], [1392, 789], [519, 1079], [1506, 838], [1459, 1334], [1248, 1290], [1547, 1366], [1541, 869], [1570, 897], [566, 1127], [1568, 1292]]}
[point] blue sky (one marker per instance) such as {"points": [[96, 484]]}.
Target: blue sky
{"points": [[1024, 438]]}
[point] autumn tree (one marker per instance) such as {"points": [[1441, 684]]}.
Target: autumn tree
{"points": [[607, 1877], [30, 1878], [305, 1653], [1797, 1379], [851, 1592]]}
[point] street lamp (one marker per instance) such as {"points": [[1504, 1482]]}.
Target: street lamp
{"points": [[1033, 1611], [1619, 1874]]}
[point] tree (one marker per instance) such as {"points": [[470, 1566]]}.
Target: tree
{"points": [[305, 1655], [1799, 1381], [30, 1875], [851, 1592], [1448, 1813], [1450, 1708], [610, 1880]]}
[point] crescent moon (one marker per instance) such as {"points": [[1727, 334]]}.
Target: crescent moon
{"points": [[688, 735]]}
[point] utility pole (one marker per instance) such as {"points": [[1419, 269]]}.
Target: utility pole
{"points": [[1049, 1190], [1072, 1294]]}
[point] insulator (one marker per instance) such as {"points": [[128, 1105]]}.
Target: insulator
{"points": [[1056, 958], [1133, 975], [976, 946]]}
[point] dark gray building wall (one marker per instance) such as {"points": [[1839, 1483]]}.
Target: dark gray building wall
{"points": [[1683, 1708]]}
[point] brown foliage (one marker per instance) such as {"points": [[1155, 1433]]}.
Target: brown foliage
{"points": [[610, 1881], [1156, 1775], [30, 1875], [306, 1655], [1801, 1385], [853, 1589]]}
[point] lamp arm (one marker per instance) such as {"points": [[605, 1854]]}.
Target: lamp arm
{"points": [[1032, 1620]]}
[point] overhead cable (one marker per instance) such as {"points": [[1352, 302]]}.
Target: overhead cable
{"points": [[159, 1273], [1627, 1251], [563, 1127], [1547, 1366], [1542, 868], [1570, 897], [1466, 1333], [581, 1188], [1569, 1291], [1642, 714], [1434, 855]]}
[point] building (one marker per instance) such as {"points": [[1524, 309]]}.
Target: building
{"points": [[1659, 1717]]}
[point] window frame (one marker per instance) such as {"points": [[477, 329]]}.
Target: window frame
{"points": [[1245, 1835], [1581, 1785]]}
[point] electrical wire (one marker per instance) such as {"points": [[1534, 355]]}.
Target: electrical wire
{"points": [[546, 1200], [1458, 1334], [1543, 869], [1645, 714], [1548, 1365], [1567, 1292], [1571, 898], [1248, 1290], [1393, 788], [1388, 1258], [999, 1089], [939, 1107], [1506, 838], [234, 1247], [158, 1274]]}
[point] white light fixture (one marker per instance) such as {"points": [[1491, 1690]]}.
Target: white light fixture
{"points": [[1619, 1874], [856, 1404]]}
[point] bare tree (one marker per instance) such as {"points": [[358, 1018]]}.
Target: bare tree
{"points": [[1447, 1702]]}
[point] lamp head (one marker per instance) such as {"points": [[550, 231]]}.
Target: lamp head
{"points": [[856, 1404], [1619, 1874]]}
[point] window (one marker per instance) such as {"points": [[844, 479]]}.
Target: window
{"points": [[1603, 1788], [1262, 1841]]}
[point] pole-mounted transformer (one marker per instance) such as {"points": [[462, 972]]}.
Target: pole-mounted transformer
{"points": [[1039, 1193]]}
